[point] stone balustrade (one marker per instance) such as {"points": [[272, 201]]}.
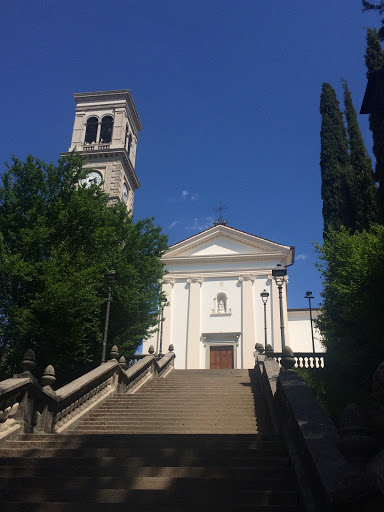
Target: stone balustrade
{"points": [[302, 359], [27, 405], [329, 477], [306, 360]]}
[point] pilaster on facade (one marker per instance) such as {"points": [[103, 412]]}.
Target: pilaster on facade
{"points": [[195, 279], [247, 277], [247, 320], [194, 322], [167, 324], [169, 280]]}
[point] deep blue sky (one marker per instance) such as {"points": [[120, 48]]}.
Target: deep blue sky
{"points": [[228, 95]]}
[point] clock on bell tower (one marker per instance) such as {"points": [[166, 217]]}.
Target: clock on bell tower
{"points": [[105, 133]]}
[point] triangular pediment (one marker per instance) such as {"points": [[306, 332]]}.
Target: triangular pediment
{"points": [[224, 241]]}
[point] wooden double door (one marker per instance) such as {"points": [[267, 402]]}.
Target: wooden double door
{"points": [[221, 357]]}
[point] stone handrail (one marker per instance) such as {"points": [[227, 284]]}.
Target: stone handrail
{"points": [[84, 393], [135, 358], [327, 479], [29, 406], [164, 365], [12, 394]]}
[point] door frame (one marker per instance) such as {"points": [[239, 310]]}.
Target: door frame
{"points": [[215, 339]]}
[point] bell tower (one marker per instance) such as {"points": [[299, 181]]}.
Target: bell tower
{"points": [[105, 133]]}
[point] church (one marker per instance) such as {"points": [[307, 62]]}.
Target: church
{"points": [[225, 289]]}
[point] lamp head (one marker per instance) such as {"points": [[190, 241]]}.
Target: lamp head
{"points": [[279, 273], [264, 296]]}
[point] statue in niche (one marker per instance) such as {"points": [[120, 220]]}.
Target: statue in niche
{"points": [[221, 305]]}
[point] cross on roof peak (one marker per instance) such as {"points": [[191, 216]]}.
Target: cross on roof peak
{"points": [[219, 210]]}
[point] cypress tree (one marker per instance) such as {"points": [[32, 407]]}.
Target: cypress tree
{"points": [[374, 60], [365, 188], [336, 172]]}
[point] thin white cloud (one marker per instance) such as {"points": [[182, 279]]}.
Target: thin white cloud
{"points": [[301, 257], [185, 195], [200, 224], [174, 223]]}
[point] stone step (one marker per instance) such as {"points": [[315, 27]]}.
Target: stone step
{"points": [[187, 412], [182, 389], [187, 408], [161, 440], [249, 478], [166, 430], [122, 507], [85, 451], [183, 406], [193, 397], [165, 420], [159, 491], [204, 449], [51, 459], [141, 467]]}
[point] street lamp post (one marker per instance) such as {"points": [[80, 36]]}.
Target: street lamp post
{"points": [[279, 274], [309, 296], [264, 297], [163, 301], [111, 276]]}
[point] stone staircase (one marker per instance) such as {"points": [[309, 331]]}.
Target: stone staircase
{"points": [[190, 441]]}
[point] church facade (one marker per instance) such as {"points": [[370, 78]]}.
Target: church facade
{"points": [[215, 311]]}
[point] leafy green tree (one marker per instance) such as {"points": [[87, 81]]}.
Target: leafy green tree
{"points": [[58, 240], [337, 180], [352, 266], [365, 191], [374, 59], [369, 6]]}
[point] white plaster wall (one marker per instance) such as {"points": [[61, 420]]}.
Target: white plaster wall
{"points": [[300, 338], [262, 283], [152, 340], [222, 247], [209, 290]]}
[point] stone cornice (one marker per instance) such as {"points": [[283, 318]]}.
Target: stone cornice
{"points": [[223, 258], [215, 274]]}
